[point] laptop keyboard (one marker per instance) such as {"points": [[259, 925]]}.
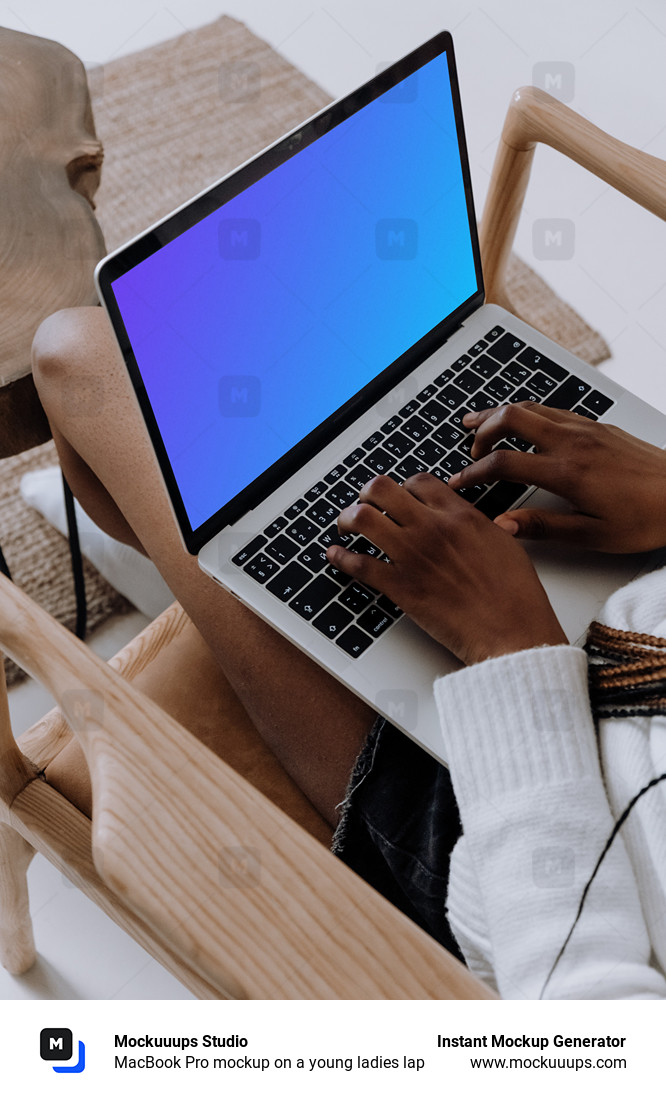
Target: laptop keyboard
{"points": [[426, 434]]}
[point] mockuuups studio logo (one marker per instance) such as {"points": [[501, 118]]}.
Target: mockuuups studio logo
{"points": [[239, 395], [558, 78], [239, 238], [56, 1045], [396, 239], [399, 705], [553, 238]]}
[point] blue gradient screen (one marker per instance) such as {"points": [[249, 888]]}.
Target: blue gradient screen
{"points": [[264, 318]]}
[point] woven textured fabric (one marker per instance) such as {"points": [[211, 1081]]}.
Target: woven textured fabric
{"points": [[38, 556], [173, 119]]}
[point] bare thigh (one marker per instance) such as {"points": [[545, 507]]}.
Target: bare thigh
{"points": [[312, 723]]}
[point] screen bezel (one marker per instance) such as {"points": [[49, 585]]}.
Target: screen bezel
{"points": [[174, 225]]}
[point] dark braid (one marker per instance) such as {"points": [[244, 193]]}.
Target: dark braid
{"points": [[627, 672]]}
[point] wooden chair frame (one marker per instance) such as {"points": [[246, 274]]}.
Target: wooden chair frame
{"points": [[298, 923]]}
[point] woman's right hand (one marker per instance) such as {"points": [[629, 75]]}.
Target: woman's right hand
{"points": [[615, 484]]}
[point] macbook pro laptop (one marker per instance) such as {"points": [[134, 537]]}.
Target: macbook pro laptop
{"points": [[315, 318]]}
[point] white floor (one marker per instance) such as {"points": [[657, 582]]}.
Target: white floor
{"points": [[610, 54]]}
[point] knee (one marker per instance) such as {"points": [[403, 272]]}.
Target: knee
{"points": [[58, 349]]}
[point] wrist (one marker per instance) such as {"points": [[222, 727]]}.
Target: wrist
{"points": [[505, 643]]}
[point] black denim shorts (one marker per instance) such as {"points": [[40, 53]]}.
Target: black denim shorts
{"points": [[399, 823]]}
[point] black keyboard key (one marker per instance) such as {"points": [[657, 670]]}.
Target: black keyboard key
{"points": [[434, 412], [446, 375], [541, 384], [322, 512], [529, 357], [478, 347], [506, 347], [355, 457], [568, 394], [466, 444], [516, 374], [282, 549], [247, 552], [416, 428], [337, 574], [390, 426], [261, 568], [442, 475], [275, 526], [469, 381], [375, 621], [494, 333], [333, 537], [456, 421], [410, 466], [333, 620], [398, 444], [522, 394], [455, 462], [447, 436], [410, 408], [427, 392], [481, 401], [342, 495], [289, 581], [316, 491], [314, 557], [518, 443], [356, 598], [314, 597], [486, 367], [499, 388], [500, 498], [364, 546], [380, 461], [582, 411], [463, 361], [302, 531], [335, 474], [295, 509], [429, 452], [471, 492], [596, 402], [360, 477], [452, 397], [392, 609], [354, 641], [373, 441]]}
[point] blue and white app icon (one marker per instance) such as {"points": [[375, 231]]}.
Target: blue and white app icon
{"points": [[56, 1044]]}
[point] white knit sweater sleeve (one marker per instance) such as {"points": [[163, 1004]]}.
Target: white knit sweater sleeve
{"points": [[520, 742]]}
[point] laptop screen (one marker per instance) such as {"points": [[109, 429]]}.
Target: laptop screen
{"points": [[256, 324]]}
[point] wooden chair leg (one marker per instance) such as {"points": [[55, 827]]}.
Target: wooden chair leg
{"points": [[17, 943]]}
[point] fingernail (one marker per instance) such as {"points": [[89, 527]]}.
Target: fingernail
{"points": [[508, 525]]}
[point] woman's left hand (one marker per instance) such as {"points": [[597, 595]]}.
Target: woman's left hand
{"points": [[463, 579]]}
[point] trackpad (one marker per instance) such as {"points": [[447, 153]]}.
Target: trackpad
{"points": [[578, 582]]}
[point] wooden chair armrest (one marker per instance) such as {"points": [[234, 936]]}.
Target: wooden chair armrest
{"points": [[242, 894], [534, 116]]}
